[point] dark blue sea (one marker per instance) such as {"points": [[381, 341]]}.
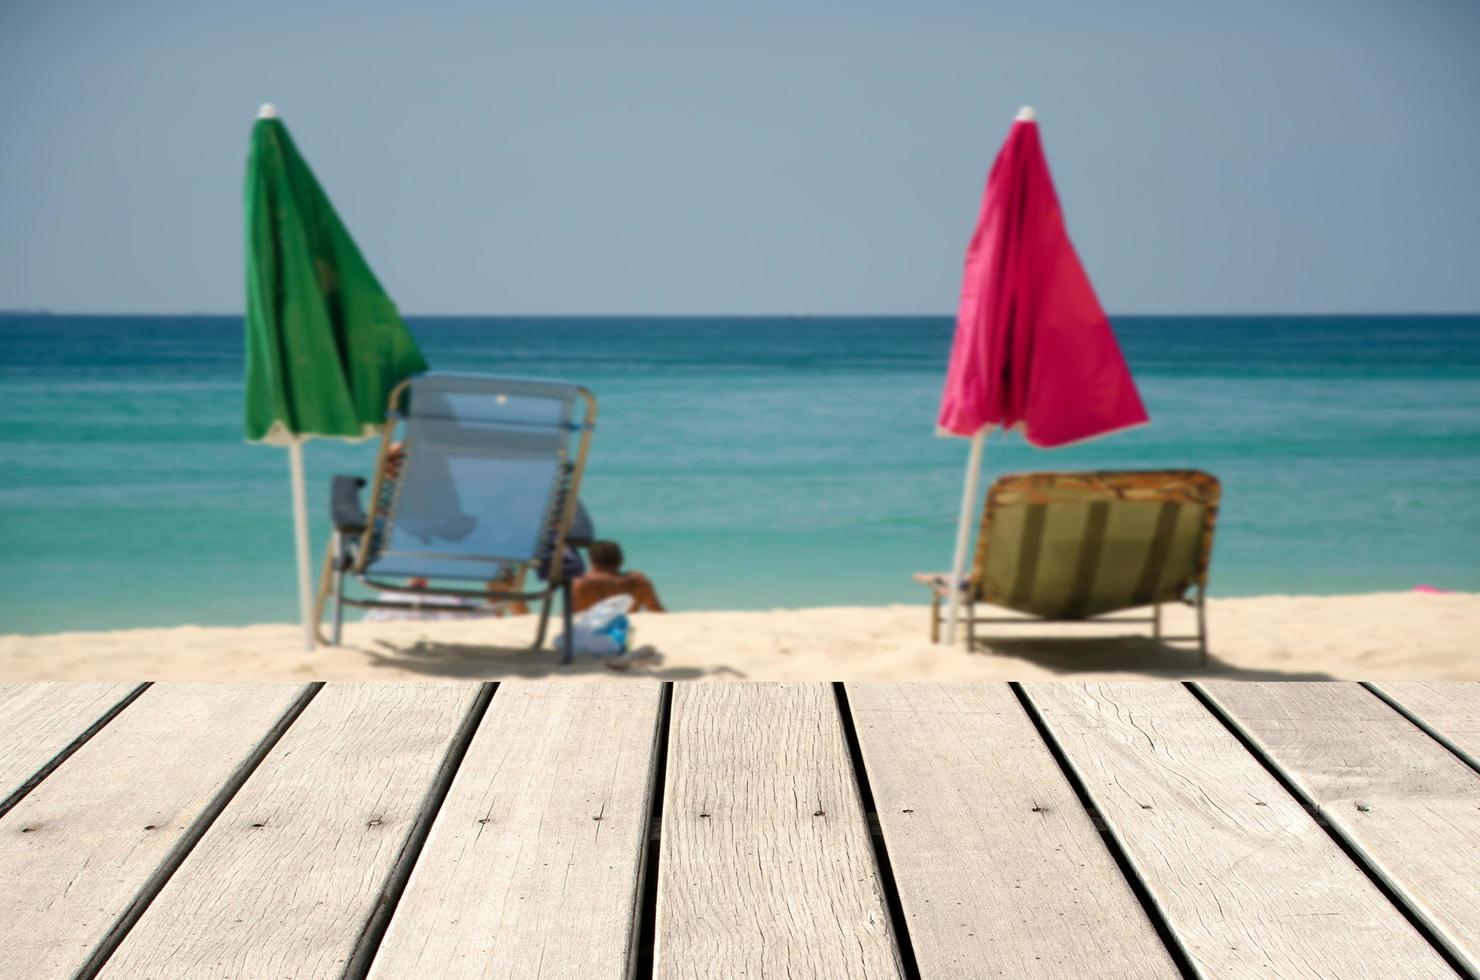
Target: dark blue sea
{"points": [[742, 463]]}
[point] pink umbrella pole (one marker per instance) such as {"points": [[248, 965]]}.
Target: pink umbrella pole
{"points": [[963, 532]]}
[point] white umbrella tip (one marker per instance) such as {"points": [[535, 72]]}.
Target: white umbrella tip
{"points": [[268, 111], [1026, 114]]}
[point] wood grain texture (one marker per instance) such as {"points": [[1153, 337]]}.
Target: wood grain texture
{"points": [[77, 849], [533, 867], [766, 868], [1249, 883], [1448, 710], [1394, 793], [288, 875], [38, 721], [999, 868]]}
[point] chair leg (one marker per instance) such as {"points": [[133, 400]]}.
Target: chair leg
{"points": [[1156, 621], [1202, 624], [338, 627], [935, 619], [539, 637], [970, 627], [338, 574], [568, 638]]}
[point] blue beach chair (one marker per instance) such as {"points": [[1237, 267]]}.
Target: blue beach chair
{"points": [[483, 489]]}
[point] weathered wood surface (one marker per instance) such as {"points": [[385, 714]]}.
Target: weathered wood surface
{"points": [[999, 868], [766, 867], [39, 721], [1448, 710], [1248, 882], [286, 879], [533, 867], [145, 837], [1402, 799], [77, 851]]}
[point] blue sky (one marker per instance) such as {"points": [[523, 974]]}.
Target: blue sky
{"points": [[796, 157]]}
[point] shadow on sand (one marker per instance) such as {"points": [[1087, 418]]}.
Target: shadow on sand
{"points": [[1129, 655], [472, 661]]}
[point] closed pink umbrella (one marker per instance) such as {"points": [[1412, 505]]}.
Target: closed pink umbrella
{"points": [[1033, 350]]}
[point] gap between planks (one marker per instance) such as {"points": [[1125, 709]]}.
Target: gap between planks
{"points": [[647, 914], [1405, 698], [1225, 849], [887, 881], [197, 829], [376, 924], [1388, 863], [556, 776], [767, 865], [50, 765]]}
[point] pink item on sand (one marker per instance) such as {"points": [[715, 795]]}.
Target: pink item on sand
{"points": [[1430, 590], [1033, 347]]}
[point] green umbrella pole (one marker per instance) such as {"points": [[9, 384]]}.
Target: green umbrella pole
{"points": [[300, 533]]}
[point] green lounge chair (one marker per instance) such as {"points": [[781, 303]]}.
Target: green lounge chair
{"points": [[1076, 547]]}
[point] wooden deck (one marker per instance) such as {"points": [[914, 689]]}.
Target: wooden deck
{"points": [[632, 829]]}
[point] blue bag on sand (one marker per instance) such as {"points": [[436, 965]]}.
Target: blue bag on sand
{"points": [[603, 630]]}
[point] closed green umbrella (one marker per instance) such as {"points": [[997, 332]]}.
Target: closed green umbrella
{"points": [[325, 344]]}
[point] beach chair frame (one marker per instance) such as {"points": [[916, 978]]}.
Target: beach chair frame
{"points": [[350, 553], [1167, 487]]}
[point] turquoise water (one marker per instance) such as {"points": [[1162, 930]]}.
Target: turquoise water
{"points": [[743, 463]]}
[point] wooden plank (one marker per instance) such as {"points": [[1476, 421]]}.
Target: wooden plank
{"points": [[999, 868], [1448, 710], [533, 867], [1248, 882], [766, 869], [77, 850], [40, 721], [288, 876], [1393, 793]]}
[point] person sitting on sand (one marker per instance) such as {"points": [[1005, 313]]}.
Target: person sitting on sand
{"points": [[607, 579], [512, 580]]}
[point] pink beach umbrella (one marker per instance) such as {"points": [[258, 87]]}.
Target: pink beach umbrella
{"points": [[1033, 350]]}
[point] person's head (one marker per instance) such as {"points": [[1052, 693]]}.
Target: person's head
{"points": [[606, 556]]}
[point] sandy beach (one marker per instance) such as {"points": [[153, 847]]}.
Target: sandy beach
{"points": [[1409, 636]]}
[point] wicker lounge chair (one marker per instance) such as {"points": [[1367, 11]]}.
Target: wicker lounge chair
{"points": [[1076, 547], [484, 488]]}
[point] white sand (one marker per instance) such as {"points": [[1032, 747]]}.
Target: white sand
{"points": [[1409, 636]]}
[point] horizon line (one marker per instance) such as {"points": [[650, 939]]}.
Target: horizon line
{"points": [[201, 314]]}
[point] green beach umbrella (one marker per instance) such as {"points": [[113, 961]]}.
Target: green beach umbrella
{"points": [[325, 344]]}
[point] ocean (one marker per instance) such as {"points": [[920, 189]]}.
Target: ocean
{"points": [[743, 463]]}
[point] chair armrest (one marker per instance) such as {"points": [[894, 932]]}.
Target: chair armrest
{"points": [[344, 505], [938, 583]]}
